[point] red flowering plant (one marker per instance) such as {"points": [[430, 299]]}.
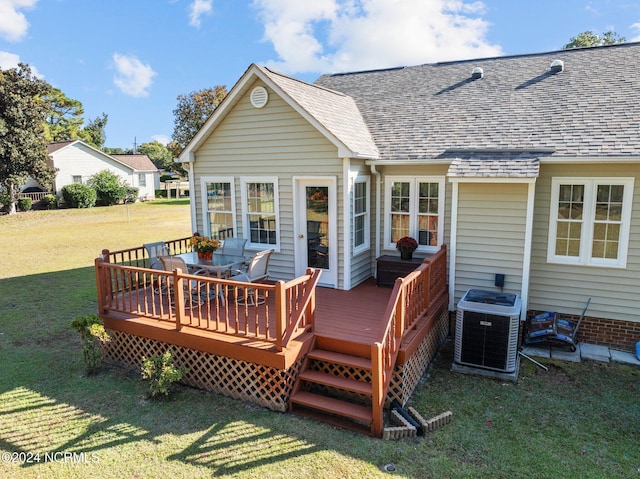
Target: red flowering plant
{"points": [[204, 244], [406, 244]]}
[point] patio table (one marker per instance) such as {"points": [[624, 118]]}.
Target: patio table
{"points": [[219, 264]]}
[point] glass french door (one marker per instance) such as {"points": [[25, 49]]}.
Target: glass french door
{"points": [[316, 245]]}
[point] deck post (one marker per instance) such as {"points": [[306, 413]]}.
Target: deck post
{"points": [[101, 284], [178, 295], [377, 390], [281, 313], [401, 311]]}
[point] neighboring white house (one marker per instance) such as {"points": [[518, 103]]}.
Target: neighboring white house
{"points": [[77, 161]]}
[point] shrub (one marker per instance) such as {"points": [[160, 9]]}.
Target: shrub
{"points": [[24, 204], [93, 334], [51, 201], [131, 194], [161, 374], [110, 188], [161, 193], [78, 195]]}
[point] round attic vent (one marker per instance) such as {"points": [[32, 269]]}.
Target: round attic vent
{"points": [[259, 97]]}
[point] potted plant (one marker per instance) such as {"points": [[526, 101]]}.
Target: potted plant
{"points": [[406, 245], [204, 245]]}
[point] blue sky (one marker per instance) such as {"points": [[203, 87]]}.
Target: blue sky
{"points": [[131, 58]]}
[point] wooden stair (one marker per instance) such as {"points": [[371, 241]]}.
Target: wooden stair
{"points": [[334, 387]]}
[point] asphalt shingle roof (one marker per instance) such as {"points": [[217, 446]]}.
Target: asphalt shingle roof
{"points": [[592, 108], [137, 162], [337, 112]]}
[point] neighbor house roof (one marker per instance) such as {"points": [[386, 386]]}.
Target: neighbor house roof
{"points": [[137, 162], [590, 108]]}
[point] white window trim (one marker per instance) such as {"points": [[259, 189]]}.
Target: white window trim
{"points": [[367, 217], [586, 235], [245, 211], [205, 204], [413, 209]]}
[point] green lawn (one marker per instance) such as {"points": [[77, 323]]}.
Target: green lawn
{"points": [[575, 420]]}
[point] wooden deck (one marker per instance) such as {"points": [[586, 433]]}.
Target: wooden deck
{"points": [[293, 346], [354, 315]]}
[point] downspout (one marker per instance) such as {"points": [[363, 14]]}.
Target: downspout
{"points": [[192, 197], [346, 225], [378, 201]]}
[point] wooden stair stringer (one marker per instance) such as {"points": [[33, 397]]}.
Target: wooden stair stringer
{"points": [[335, 387]]}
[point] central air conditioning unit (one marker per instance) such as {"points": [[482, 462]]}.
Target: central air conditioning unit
{"points": [[486, 339]]}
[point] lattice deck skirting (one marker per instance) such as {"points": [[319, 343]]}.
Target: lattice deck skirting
{"points": [[263, 385], [266, 386], [407, 376]]}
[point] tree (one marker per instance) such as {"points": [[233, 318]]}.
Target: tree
{"points": [[64, 118], [192, 112], [159, 154], [23, 146], [93, 133], [591, 39]]}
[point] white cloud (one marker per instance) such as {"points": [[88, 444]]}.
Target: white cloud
{"points": [[348, 35], [8, 60], [11, 60], [163, 139], [13, 23], [197, 9], [636, 27], [132, 76]]}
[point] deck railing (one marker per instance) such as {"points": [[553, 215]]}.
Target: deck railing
{"points": [[411, 301], [138, 256], [265, 312]]}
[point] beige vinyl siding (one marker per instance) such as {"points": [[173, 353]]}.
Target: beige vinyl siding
{"points": [[565, 288], [491, 234], [361, 263], [271, 141]]}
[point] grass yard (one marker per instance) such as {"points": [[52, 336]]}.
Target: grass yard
{"points": [[575, 420]]}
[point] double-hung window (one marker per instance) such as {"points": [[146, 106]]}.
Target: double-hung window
{"points": [[219, 206], [589, 221], [260, 211], [360, 214], [414, 207], [142, 179]]}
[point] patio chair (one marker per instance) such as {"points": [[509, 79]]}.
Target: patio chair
{"points": [[234, 246], [257, 270], [154, 251], [194, 290]]}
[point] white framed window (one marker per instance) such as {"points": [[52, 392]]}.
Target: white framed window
{"points": [[361, 214], [589, 221], [219, 206], [414, 206], [260, 210], [77, 179], [142, 179]]}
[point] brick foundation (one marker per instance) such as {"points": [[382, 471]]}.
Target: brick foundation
{"points": [[622, 335]]}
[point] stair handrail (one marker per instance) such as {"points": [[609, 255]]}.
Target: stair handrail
{"points": [[410, 299]]}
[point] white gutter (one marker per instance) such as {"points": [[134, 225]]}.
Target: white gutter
{"points": [[346, 229], [452, 245], [378, 202], [526, 263], [192, 202]]}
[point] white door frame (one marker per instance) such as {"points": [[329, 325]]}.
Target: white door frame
{"points": [[329, 277]]}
